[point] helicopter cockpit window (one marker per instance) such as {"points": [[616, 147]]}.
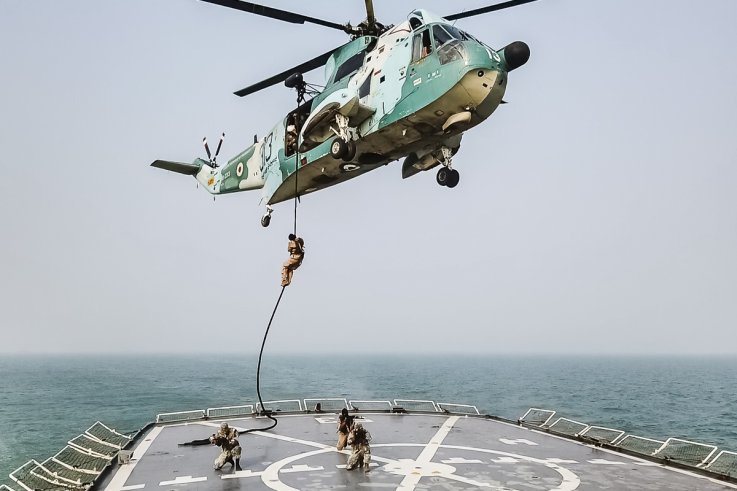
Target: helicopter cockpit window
{"points": [[471, 38], [451, 51], [456, 33], [450, 47], [440, 35], [421, 45], [415, 23], [351, 65]]}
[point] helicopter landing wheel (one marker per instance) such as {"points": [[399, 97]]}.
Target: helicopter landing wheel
{"points": [[443, 176], [266, 219], [453, 179], [350, 151], [338, 148]]}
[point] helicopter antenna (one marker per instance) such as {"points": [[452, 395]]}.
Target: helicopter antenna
{"points": [[213, 159]]}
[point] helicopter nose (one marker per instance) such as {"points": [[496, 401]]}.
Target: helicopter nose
{"points": [[516, 54]]}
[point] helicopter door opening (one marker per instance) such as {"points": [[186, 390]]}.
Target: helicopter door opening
{"points": [[293, 123]]}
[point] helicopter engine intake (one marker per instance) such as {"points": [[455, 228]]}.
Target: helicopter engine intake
{"points": [[515, 54]]}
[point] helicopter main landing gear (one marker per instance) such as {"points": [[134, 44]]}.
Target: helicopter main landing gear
{"points": [[447, 175], [341, 149], [266, 219], [343, 146]]}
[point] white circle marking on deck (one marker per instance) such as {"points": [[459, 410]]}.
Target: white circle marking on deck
{"points": [[570, 481], [414, 469]]}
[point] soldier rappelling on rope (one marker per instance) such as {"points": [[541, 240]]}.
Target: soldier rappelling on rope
{"points": [[296, 249]]}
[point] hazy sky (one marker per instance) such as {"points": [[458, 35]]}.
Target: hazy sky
{"points": [[596, 211]]}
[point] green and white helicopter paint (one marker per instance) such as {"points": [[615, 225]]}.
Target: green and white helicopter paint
{"points": [[408, 92]]}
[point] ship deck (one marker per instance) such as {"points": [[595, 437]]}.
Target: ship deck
{"points": [[409, 451]]}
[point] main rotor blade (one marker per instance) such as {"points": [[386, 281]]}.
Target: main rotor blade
{"points": [[284, 15], [318, 61], [370, 19], [484, 10]]}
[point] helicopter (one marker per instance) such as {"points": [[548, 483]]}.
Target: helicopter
{"points": [[407, 91]]}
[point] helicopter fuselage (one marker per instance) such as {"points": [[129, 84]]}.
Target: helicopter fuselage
{"points": [[408, 93]]}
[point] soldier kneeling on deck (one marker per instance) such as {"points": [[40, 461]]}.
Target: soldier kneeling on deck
{"points": [[227, 439]]}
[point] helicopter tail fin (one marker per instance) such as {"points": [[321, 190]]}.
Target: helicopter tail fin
{"points": [[202, 170], [180, 167]]}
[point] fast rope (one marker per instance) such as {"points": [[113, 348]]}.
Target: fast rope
{"points": [[258, 368], [278, 300], [296, 180]]}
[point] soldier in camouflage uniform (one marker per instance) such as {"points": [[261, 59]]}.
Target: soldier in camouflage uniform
{"points": [[296, 250], [227, 439], [345, 422], [359, 440]]}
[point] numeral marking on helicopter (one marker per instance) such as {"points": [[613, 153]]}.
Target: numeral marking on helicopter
{"points": [[266, 152], [493, 54], [267, 143]]}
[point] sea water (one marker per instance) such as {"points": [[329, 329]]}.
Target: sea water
{"points": [[47, 400]]}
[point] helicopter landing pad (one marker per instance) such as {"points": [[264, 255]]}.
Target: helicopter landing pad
{"points": [[409, 451]]}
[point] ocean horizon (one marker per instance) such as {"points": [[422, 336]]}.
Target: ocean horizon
{"points": [[48, 399]]}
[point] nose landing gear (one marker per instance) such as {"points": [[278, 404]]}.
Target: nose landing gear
{"points": [[447, 175]]}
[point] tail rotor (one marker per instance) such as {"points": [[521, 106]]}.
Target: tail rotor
{"points": [[213, 158]]}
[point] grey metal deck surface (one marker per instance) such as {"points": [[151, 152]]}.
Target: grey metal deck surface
{"points": [[409, 451]]}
